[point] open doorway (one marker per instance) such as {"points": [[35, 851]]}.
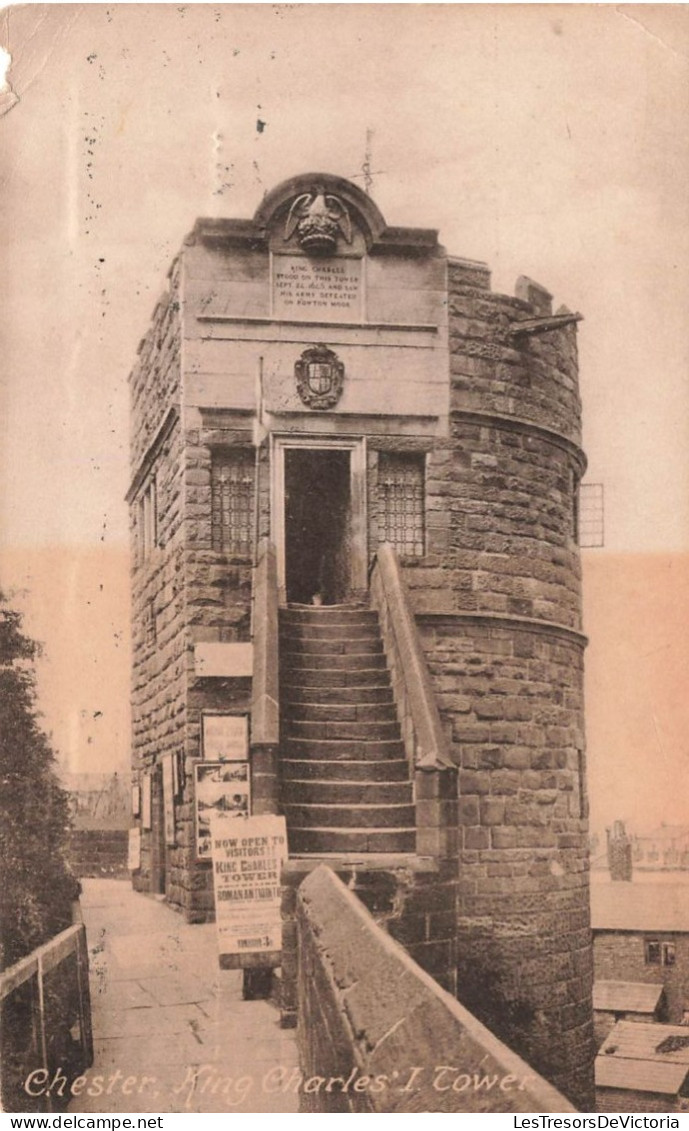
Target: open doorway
{"points": [[317, 525]]}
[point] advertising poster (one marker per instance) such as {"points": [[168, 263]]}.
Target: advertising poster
{"points": [[219, 788], [247, 858]]}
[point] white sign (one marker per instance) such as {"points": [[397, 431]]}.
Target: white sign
{"points": [[225, 738], [317, 290], [247, 859]]}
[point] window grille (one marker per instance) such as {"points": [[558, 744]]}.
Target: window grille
{"points": [[591, 517], [147, 526], [401, 494], [232, 503]]}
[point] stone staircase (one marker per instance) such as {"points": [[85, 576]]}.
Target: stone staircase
{"points": [[345, 783]]}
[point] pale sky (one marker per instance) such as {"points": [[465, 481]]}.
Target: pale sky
{"points": [[547, 140]]}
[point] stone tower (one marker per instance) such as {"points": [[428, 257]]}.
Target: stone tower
{"points": [[351, 456]]}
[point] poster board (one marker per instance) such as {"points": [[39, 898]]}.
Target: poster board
{"points": [[219, 787], [225, 738], [169, 798], [247, 859]]}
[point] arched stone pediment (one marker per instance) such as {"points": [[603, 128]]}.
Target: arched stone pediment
{"points": [[318, 211]]}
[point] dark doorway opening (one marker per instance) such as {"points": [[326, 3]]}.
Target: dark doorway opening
{"points": [[317, 525]]}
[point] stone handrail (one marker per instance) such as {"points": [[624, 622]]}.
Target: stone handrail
{"points": [[425, 741], [265, 713], [382, 1034]]}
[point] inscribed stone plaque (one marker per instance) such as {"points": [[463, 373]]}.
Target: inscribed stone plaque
{"points": [[327, 290]]}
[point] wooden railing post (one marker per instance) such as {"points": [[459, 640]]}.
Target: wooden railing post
{"points": [[85, 1026]]}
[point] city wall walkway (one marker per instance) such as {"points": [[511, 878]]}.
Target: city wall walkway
{"points": [[171, 1031]]}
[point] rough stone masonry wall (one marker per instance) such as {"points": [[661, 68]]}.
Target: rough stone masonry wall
{"points": [[159, 645], [376, 1034], [218, 588], [498, 601], [158, 629]]}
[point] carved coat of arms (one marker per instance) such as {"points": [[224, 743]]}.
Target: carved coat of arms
{"points": [[320, 377], [318, 218]]}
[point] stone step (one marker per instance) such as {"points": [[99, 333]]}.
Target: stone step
{"points": [[369, 630], [333, 677], [328, 614], [332, 840], [337, 696], [302, 728], [361, 816], [358, 646], [297, 661], [324, 750], [297, 791], [341, 712], [389, 770]]}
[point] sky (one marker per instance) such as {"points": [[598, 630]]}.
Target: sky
{"points": [[546, 140]]}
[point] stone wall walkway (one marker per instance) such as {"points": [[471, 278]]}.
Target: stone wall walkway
{"points": [[171, 1031]]}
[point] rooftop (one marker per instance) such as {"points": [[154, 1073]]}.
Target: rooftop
{"points": [[644, 1058], [626, 997]]}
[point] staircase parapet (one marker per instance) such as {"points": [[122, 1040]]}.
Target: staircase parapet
{"points": [[425, 740]]}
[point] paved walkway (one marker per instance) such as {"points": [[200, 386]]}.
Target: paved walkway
{"points": [[171, 1032]]}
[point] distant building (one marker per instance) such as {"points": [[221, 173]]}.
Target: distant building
{"points": [[641, 934], [625, 1001], [643, 1068], [665, 849]]}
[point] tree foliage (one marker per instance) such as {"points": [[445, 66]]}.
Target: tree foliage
{"points": [[37, 885]]}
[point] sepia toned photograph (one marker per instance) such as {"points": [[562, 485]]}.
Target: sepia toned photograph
{"points": [[344, 497]]}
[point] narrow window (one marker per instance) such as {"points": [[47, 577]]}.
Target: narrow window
{"points": [[652, 948], [668, 954], [401, 493], [148, 519], [232, 501]]}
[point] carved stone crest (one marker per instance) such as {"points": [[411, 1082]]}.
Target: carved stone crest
{"points": [[318, 217], [320, 377]]}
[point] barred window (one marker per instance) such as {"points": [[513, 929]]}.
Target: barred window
{"points": [[401, 494], [232, 501], [148, 519]]}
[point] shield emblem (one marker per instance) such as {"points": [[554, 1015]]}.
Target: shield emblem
{"points": [[320, 376]]}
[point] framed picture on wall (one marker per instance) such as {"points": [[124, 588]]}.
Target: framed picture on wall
{"points": [[146, 801], [220, 787], [225, 738]]}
